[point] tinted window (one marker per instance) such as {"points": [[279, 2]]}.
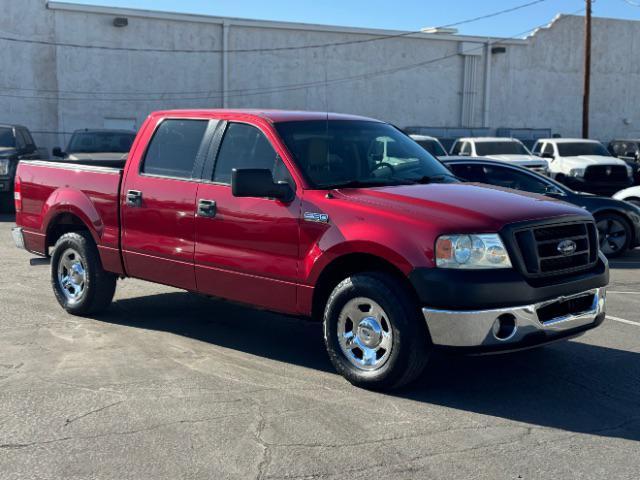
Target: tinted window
{"points": [[244, 146], [6, 137], [511, 178], [469, 172], [28, 139], [357, 153], [501, 148], [100, 142], [466, 149], [575, 149], [548, 149], [174, 148], [21, 142], [432, 147]]}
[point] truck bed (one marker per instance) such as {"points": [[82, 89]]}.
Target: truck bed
{"points": [[51, 189]]}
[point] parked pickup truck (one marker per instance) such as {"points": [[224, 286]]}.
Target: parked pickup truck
{"points": [[16, 143], [295, 212], [101, 147], [585, 165]]}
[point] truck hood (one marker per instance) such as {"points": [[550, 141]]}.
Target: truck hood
{"points": [[522, 160], [97, 156], [586, 160], [465, 207]]}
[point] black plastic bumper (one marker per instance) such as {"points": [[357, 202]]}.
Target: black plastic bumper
{"points": [[487, 289]]}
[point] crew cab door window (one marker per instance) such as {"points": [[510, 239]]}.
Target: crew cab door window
{"points": [[174, 148], [244, 146]]}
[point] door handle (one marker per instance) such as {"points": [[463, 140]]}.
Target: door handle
{"points": [[207, 208], [134, 198]]}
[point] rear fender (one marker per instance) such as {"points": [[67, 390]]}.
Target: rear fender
{"points": [[65, 200]]}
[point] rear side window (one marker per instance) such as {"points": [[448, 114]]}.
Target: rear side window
{"points": [[244, 146], [174, 148], [469, 172]]}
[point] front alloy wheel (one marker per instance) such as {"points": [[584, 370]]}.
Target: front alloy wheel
{"points": [[365, 334], [613, 235]]}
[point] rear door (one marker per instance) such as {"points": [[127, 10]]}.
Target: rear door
{"points": [[246, 248], [158, 214]]}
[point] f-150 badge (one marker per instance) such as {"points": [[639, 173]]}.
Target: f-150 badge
{"points": [[316, 217]]}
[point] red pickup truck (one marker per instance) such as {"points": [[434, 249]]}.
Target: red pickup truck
{"points": [[339, 218]]}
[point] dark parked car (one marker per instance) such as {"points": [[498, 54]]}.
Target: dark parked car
{"points": [[99, 146], [16, 143], [618, 222], [629, 151]]}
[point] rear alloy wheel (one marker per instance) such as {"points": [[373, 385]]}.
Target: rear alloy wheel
{"points": [[374, 332], [81, 285], [614, 234]]}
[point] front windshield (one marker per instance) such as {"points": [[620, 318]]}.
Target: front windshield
{"points": [[484, 149], [432, 147], [343, 153], [6, 138], [575, 149], [96, 142]]}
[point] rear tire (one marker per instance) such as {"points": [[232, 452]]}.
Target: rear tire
{"points": [[374, 332], [82, 287]]}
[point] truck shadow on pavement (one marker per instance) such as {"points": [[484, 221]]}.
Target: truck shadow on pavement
{"points": [[571, 386]]}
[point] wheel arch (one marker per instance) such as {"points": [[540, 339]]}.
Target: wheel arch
{"points": [[349, 264]]}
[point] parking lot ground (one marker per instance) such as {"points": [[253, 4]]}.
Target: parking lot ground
{"points": [[168, 384]]}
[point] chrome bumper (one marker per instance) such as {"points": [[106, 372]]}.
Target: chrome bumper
{"points": [[477, 328], [18, 237]]}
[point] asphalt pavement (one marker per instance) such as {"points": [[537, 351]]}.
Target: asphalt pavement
{"points": [[172, 385]]}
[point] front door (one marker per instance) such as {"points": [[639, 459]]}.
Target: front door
{"points": [[159, 211], [247, 248]]}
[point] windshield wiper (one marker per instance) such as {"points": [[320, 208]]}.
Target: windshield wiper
{"points": [[432, 179], [366, 184]]}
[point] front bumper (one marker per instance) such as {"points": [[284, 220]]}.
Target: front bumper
{"points": [[606, 188], [18, 237], [474, 330]]}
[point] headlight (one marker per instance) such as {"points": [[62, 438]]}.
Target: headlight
{"points": [[4, 166], [576, 172], [471, 252]]}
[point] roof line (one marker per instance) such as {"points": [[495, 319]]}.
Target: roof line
{"points": [[244, 22]]}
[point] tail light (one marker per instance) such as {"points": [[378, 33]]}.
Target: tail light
{"points": [[17, 194]]}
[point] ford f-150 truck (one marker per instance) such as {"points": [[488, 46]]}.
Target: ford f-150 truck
{"points": [[299, 213]]}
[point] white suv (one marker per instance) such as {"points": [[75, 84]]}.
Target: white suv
{"points": [[584, 165], [509, 150]]}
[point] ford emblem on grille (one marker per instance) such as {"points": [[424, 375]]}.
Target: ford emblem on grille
{"points": [[567, 247], [609, 170]]}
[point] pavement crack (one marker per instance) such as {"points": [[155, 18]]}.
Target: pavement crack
{"points": [[71, 420]]}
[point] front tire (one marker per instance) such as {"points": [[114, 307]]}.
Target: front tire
{"points": [[374, 332], [614, 234], [82, 287]]}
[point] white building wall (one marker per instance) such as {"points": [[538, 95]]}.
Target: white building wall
{"points": [[536, 83]]}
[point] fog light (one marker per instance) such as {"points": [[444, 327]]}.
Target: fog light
{"points": [[504, 327]]}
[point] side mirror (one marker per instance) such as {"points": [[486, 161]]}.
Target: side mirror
{"points": [[258, 182], [57, 152], [547, 155]]}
